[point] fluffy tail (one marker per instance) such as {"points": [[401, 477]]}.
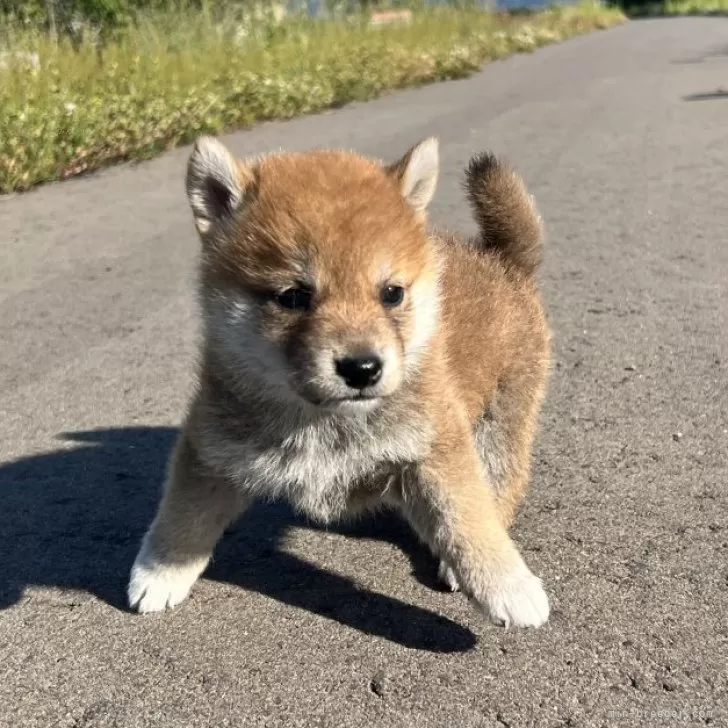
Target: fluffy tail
{"points": [[509, 222]]}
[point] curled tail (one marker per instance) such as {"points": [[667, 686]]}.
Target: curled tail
{"points": [[509, 222]]}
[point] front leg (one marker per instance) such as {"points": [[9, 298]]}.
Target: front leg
{"points": [[195, 509], [452, 508]]}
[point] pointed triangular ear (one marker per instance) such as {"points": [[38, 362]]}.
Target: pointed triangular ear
{"points": [[215, 183], [416, 173]]}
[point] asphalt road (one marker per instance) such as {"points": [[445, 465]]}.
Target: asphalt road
{"points": [[622, 137]]}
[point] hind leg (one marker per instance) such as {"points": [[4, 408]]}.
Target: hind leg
{"points": [[505, 436]]}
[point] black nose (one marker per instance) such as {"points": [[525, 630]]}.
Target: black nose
{"points": [[360, 371]]}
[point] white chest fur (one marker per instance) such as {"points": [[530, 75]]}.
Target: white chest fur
{"points": [[315, 466]]}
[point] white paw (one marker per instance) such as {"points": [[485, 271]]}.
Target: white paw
{"points": [[154, 587], [447, 576], [518, 599]]}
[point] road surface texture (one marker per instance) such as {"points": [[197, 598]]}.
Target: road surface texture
{"points": [[623, 137]]}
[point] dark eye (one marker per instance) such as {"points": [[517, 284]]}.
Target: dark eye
{"points": [[295, 299], [392, 296]]}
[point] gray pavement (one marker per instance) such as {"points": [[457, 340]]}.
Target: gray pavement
{"points": [[624, 141]]}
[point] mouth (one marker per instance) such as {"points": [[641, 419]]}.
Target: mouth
{"points": [[360, 399], [357, 403]]}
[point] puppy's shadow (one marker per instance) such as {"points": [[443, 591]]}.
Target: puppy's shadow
{"points": [[73, 519]]}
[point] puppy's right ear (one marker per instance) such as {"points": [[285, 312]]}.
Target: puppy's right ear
{"points": [[215, 183]]}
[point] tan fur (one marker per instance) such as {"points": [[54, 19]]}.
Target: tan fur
{"points": [[447, 434]]}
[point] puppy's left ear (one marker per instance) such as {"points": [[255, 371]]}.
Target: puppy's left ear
{"points": [[416, 173]]}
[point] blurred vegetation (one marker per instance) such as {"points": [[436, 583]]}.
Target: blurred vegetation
{"points": [[69, 104], [63, 13], [653, 8]]}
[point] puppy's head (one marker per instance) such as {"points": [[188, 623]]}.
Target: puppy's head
{"points": [[318, 279]]}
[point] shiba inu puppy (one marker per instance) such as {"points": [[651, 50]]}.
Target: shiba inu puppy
{"points": [[354, 360]]}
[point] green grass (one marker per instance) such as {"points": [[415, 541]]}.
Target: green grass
{"points": [[169, 78]]}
